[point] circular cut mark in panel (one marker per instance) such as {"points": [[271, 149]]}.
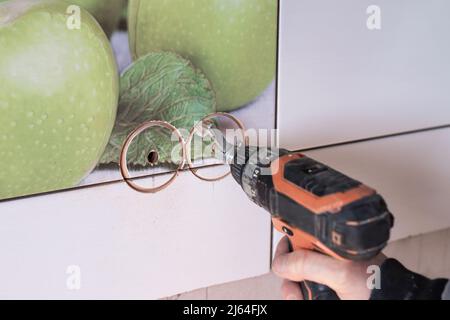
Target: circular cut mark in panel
{"points": [[152, 156]]}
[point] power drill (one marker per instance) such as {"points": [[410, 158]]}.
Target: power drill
{"points": [[318, 208]]}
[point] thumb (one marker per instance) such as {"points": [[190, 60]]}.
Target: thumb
{"points": [[308, 265]]}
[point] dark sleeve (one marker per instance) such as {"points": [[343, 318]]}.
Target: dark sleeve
{"points": [[399, 283]]}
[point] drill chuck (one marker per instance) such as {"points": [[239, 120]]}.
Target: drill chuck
{"points": [[251, 168], [239, 161]]}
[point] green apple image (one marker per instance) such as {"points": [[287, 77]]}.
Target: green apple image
{"points": [[233, 42], [58, 96], [107, 12]]}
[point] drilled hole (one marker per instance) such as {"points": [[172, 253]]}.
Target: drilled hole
{"points": [[153, 157]]}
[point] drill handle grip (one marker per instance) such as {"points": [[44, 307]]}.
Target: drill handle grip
{"points": [[316, 291]]}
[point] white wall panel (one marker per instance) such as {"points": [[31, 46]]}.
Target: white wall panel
{"points": [[340, 81], [131, 245]]}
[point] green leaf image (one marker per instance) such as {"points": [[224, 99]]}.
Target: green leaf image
{"points": [[158, 86]]}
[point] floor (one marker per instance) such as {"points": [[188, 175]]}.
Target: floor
{"points": [[428, 254]]}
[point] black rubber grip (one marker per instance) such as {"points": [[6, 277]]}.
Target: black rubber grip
{"points": [[316, 291]]}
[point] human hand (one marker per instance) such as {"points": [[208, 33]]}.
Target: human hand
{"points": [[347, 278]]}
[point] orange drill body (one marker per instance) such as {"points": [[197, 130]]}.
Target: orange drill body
{"points": [[317, 207]]}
